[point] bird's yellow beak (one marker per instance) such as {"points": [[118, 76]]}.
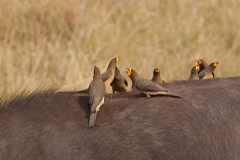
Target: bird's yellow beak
{"points": [[117, 58], [215, 64], [129, 71], [198, 61], [197, 67], [157, 70]]}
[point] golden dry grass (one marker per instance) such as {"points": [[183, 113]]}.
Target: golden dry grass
{"points": [[59, 42]]}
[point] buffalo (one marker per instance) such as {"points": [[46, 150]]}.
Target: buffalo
{"points": [[203, 124]]}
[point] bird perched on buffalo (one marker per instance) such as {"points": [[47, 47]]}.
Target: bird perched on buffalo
{"points": [[148, 87], [157, 77], [109, 74], [194, 73], [202, 65], [119, 83], [207, 72], [96, 95]]}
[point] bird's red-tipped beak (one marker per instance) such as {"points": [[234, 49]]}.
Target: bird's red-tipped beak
{"points": [[129, 71], [117, 58], [198, 61], [215, 64], [157, 70]]}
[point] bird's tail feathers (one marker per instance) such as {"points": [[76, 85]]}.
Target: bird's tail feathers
{"points": [[92, 119], [173, 94]]}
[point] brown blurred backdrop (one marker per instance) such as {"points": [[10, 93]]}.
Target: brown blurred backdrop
{"points": [[58, 42]]}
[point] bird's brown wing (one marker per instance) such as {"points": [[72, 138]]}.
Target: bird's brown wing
{"points": [[106, 75], [91, 92], [202, 74], [147, 85], [96, 93]]}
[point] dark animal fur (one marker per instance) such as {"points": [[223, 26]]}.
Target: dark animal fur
{"points": [[204, 124]]}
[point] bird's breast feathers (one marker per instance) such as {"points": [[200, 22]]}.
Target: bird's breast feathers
{"points": [[100, 104]]}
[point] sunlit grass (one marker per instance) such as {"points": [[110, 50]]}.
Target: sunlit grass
{"points": [[59, 42]]}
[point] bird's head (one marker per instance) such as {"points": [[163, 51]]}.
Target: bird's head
{"points": [[96, 73], [199, 61], [195, 69], [113, 62], [132, 74]]}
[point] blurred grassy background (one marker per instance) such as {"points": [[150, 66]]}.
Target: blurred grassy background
{"points": [[59, 42]]}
